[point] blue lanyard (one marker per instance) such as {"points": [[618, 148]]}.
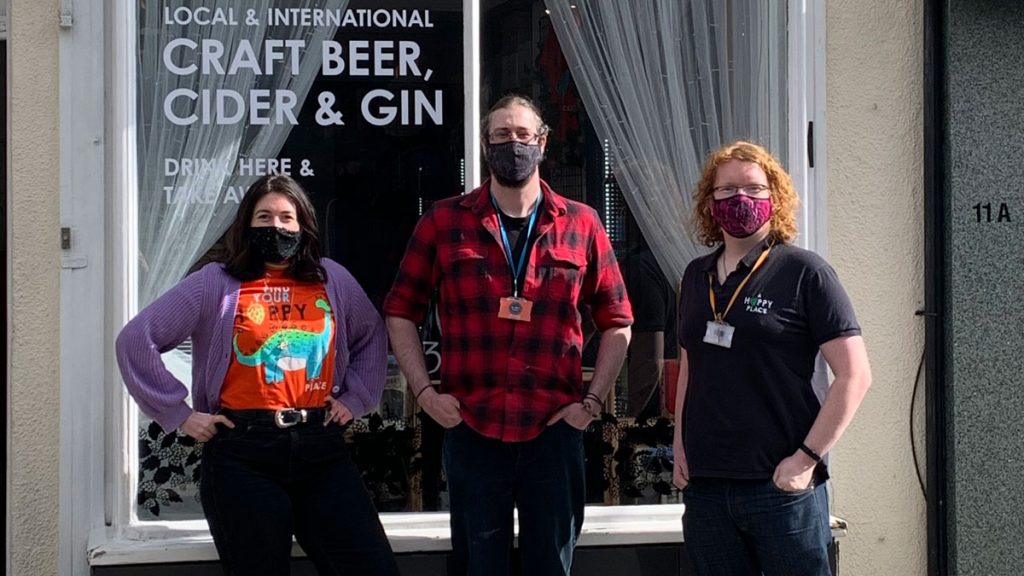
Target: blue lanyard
{"points": [[516, 269]]}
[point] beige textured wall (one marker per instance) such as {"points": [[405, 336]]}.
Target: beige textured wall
{"points": [[876, 222], [33, 222]]}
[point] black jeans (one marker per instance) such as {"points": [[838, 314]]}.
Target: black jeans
{"points": [[542, 478], [261, 484]]}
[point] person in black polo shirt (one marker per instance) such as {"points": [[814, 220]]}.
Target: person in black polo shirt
{"points": [[654, 316], [750, 432]]}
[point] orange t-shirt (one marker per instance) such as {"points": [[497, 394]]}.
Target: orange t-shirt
{"points": [[283, 345]]}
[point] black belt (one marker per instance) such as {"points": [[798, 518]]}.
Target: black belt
{"points": [[282, 418]]}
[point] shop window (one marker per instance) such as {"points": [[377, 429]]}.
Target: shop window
{"points": [[374, 131], [398, 148]]}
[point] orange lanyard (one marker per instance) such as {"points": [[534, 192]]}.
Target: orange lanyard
{"points": [[720, 318]]}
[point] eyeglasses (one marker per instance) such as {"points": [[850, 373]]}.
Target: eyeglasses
{"points": [[502, 135], [723, 192]]}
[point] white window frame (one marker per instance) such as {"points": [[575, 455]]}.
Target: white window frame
{"points": [[807, 104], [119, 537]]}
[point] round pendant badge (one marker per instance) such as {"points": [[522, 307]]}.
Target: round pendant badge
{"points": [[515, 308]]}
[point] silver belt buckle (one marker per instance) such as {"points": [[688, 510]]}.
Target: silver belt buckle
{"points": [[288, 417]]}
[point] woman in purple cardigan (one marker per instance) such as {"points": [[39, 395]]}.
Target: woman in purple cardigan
{"points": [[286, 351]]}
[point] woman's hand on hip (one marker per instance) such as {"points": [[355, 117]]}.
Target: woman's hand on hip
{"points": [[337, 412], [203, 426]]}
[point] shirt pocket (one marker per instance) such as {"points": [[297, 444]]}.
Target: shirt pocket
{"points": [[467, 273], [561, 271]]}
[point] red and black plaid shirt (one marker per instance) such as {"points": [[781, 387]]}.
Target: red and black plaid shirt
{"points": [[510, 376]]}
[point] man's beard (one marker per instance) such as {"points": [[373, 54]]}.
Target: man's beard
{"points": [[510, 183]]}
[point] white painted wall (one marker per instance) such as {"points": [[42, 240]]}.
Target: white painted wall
{"points": [[875, 215], [33, 385]]}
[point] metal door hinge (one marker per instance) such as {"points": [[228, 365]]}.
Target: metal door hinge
{"points": [[67, 17]]}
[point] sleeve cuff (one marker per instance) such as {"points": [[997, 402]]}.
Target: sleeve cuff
{"points": [[354, 403], [174, 418]]}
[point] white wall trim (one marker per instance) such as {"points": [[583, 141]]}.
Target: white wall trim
{"points": [[820, 171], [168, 542], [82, 281], [8, 496], [171, 542], [120, 467], [807, 104], [471, 14]]}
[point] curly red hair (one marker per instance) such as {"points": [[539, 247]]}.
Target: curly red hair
{"points": [[782, 226]]}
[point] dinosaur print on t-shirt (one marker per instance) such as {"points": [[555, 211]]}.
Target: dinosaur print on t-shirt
{"points": [[290, 349], [283, 345]]}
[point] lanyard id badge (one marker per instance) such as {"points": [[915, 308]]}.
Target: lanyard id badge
{"points": [[514, 307], [718, 332]]}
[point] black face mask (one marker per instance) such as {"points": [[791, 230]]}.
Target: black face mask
{"points": [[512, 162], [274, 244]]}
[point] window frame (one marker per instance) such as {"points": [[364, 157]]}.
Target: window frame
{"points": [[122, 538]]}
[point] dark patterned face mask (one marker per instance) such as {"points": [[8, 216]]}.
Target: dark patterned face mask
{"points": [[513, 162], [274, 244], [740, 215]]}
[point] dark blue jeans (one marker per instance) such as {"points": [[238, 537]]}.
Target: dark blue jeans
{"points": [[487, 478], [260, 484], [750, 527]]}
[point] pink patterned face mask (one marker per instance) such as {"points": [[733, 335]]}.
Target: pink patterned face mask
{"points": [[740, 215]]}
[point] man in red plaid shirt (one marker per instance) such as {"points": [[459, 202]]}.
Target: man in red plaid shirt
{"points": [[513, 263]]}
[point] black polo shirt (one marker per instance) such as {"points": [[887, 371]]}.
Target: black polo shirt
{"points": [[653, 297], [751, 405]]}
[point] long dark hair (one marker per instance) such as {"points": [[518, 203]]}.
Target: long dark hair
{"points": [[244, 262]]}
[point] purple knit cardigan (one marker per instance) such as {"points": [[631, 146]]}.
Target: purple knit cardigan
{"points": [[202, 306]]}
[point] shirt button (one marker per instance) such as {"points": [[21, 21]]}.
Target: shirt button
{"points": [[336, 389]]}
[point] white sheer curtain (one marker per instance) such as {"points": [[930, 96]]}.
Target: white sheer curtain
{"points": [[173, 235], [667, 81]]}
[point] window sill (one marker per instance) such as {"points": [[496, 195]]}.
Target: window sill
{"points": [[189, 541]]}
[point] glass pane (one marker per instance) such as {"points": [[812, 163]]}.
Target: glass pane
{"points": [[373, 130], [629, 456], [396, 148], [375, 182]]}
